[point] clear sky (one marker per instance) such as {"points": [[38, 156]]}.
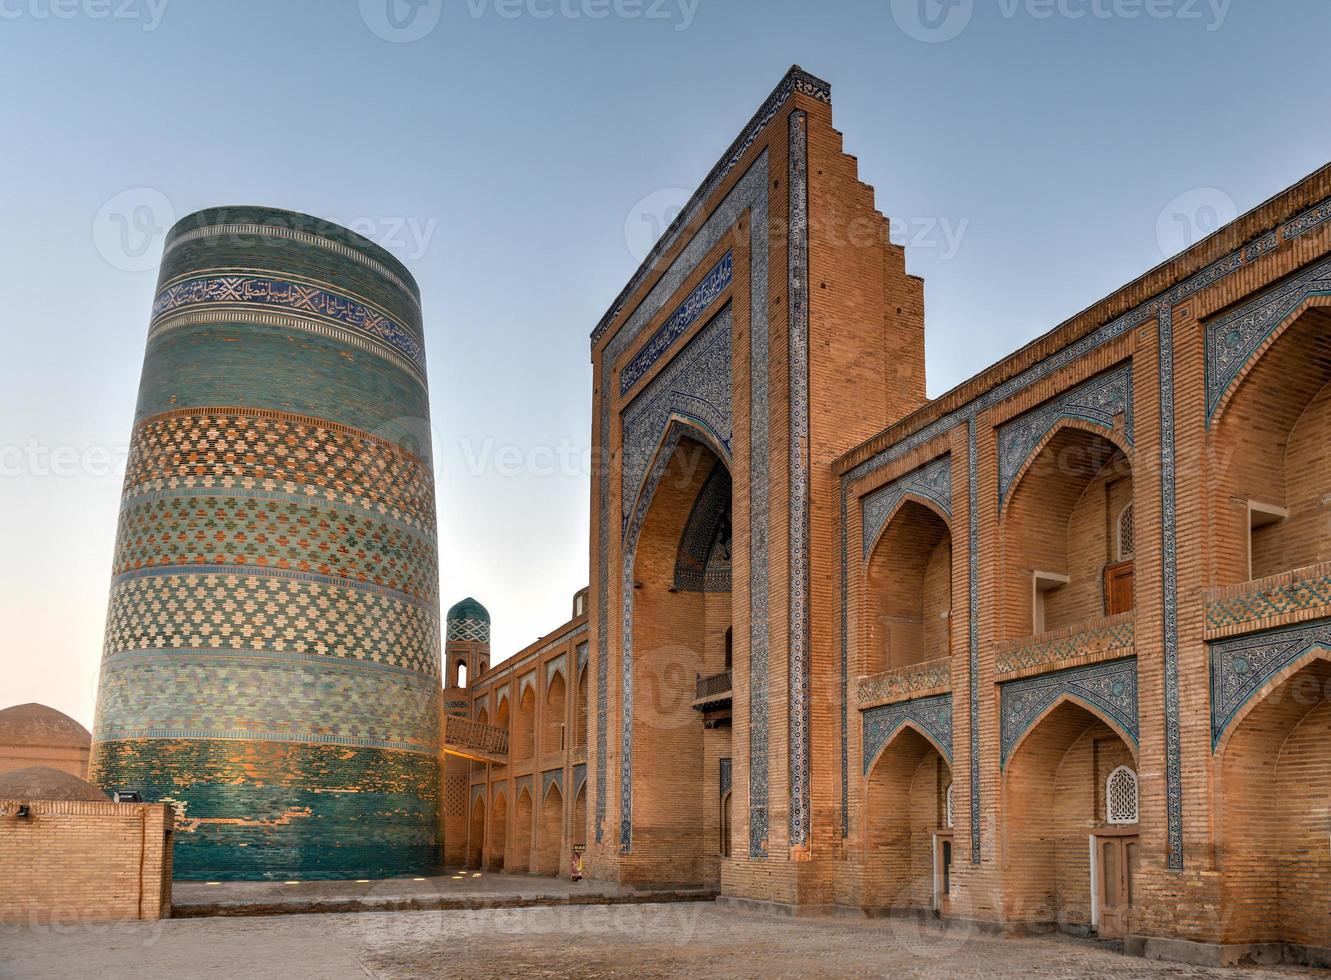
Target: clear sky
{"points": [[516, 154]]}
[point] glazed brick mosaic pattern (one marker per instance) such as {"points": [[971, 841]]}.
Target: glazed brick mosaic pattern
{"points": [[276, 533], [282, 811], [272, 657], [253, 450], [270, 614]]}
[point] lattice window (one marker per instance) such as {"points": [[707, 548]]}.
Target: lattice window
{"points": [[1126, 547], [949, 812], [1121, 796]]}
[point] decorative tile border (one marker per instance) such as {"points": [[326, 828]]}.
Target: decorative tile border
{"points": [[933, 482], [1098, 401], [1110, 688], [247, 289], [797, 283], [1232, 340], [477, 792], [1241, 666], [696, 385], [579, 778], [1116, 634], [1280, 595], [716, 282], [973, 625], [904, 682], [932, 715], [555, 666], [1169, 588]]}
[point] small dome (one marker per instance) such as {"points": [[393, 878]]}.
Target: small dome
{"points": [[469, 608], [36, 724], [45, 783]]}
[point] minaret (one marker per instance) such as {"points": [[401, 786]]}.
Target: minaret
{"points": [[466, 657], [271, 663]]}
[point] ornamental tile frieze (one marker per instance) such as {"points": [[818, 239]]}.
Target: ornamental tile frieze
{"points": [[1115, 635], [933, 716], [1281, 595], [274, 293], [1098, 401], [696, 387], [1110, 688], [932, 481], [697, 303], [1241, 666], [905, 682], [1232, 340]]}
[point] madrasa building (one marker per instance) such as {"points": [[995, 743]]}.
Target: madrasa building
{"points": [[1048, 651]]}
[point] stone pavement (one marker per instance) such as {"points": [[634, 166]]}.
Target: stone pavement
{"points": [[453, 890], [701, 940]]}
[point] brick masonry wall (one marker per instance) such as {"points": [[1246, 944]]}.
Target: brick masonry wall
{"points": [[71, 863]]}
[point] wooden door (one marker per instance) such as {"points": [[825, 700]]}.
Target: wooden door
{"points": [[1116, 866], [1118, 588], [942, 872]]}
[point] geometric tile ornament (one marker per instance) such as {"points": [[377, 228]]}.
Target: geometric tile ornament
{"points": [[272, 662], [1232, 340], [695, 386], [933, 716], [1098, 401], [933, 482], [1241, 665], [1108, 688]]}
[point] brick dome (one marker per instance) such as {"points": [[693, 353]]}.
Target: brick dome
{"points": [[45, 783], [35, 724]]}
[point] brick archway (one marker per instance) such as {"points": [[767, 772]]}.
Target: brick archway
{"points": [[497, 844], [550, 836], [905, 807], [675, 623], [1274, 813], [1054, 801], [476, 833], [909, 589]]}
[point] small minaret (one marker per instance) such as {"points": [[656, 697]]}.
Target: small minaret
{"points": [[466, 644], [466, 657]]}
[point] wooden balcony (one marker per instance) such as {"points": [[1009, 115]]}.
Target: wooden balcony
{"points": [[473, 740], [712, 692]]}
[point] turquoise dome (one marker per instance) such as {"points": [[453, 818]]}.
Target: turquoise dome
{"points": [[469, 608]]}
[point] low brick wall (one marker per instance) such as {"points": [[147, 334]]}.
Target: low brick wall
{"points": [[72, 862]]}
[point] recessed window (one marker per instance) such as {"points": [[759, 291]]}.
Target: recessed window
{"points": [[949, 813], [1121, 796], [1126, 541]]}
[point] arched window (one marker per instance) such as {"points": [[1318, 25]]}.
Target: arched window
{"points": [[1121, 796], [462, 675], [1126, 547], [949, 813]]}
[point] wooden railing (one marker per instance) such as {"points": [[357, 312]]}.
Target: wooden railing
{"points": [[465, 737], [714, 688]]}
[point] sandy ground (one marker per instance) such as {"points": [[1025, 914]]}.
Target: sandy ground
{"points": [[638, 941]]}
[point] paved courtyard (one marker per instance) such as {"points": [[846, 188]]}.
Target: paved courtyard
{"points": [[640, 941]]}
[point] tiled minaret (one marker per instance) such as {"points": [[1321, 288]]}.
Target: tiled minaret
{"points": [[271, 663]]}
